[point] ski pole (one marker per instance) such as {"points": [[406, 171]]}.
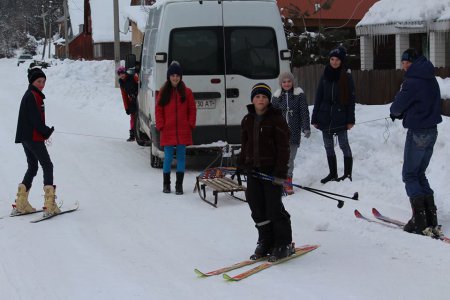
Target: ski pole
{"points": [[271, 178], [354, 197]]}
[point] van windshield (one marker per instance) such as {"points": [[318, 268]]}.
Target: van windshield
{"points": [[197, 50], [250, 51]]}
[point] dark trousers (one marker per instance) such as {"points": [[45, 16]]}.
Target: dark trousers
{"points": [[264, 199], [343, 143], [37, 152]]}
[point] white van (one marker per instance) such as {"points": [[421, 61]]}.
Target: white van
{"points": [[224, 48]]}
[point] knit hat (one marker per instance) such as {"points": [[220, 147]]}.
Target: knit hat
{"points": [[338, 52], [35, 73], [261, 88], [285, 75], [121, 70], [410, 55], [174, 68]]}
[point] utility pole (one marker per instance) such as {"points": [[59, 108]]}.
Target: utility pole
{"points": [[50, 29], [116, 40], [66, 30], [43, 15]]}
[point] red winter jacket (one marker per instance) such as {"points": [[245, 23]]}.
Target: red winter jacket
{"points": [[176, 119]]}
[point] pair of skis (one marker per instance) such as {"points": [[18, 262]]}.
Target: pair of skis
{"points": [[74, 207], [265, 265], [390, 222]]}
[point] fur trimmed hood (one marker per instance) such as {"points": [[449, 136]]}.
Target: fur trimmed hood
{"points": [[297, 91]]}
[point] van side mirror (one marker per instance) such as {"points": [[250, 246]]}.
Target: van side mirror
{"points": [[285, 54], [161, 57]]}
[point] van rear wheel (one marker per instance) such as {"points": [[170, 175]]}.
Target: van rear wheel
{"points": [[155, 161]]}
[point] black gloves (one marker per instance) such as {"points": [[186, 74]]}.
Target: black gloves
{"points": [[127, 111], [49, 133], [393, 117]]}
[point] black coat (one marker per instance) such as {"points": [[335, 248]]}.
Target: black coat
{"points": [[329, 114], [265, 143], [31, 122]]}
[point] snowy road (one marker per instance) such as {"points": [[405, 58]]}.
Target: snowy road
{"points": [[131, 241]]}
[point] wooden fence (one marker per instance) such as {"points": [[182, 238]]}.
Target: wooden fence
{"points": [[372, 87]]}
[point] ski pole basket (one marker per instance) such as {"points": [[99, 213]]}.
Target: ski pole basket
{"points": [[216, 179]]}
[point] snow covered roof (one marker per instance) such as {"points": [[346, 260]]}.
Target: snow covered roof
{"points": [[137, 14], [388, 11], [404, 16], [102, 18]]}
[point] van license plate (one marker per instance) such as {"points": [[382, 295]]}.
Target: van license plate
{"points": [[206, 104]]}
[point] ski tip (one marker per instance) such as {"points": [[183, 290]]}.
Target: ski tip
{"points": [[228, 277], [199, 273], [358, 214], [375, 212]]}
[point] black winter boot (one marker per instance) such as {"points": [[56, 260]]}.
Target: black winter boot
{"points": [[179, 183], [265, 241], [280, 252], [348, 166], [132, 137], [430, 210], [332, 165], [418, 222], [166, 183]]}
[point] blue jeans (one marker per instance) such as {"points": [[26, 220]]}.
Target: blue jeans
{"points": [[418, 151], [168, 157]]}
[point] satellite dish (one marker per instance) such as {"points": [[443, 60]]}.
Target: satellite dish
{"points": [[126, 26]]}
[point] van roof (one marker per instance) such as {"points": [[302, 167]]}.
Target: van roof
{"points": [[163, 2]]}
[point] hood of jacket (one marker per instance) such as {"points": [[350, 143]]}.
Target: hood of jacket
{"points": [[297, 91], [421, 68]]}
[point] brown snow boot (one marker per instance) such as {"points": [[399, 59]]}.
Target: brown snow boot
{"points": [[22, 205], [50, 206]]}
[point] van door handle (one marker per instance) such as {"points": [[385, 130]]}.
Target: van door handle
{"points": [[232, 93]]}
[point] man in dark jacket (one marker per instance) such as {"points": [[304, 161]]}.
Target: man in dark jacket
{"points": [[419, 104], [265, 149]]}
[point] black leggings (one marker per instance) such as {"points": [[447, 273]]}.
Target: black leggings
{"points": [[37, 152]]}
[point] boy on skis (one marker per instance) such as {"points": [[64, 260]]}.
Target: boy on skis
{"points": [[32, 132], [265, 149]]}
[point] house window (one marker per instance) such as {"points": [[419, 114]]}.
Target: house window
{"points": [[97, 50], [419, 41]]}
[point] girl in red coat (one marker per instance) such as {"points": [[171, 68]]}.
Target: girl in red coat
{"points": [[175, 120]]}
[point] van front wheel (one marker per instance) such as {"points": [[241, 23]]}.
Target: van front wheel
{"points": [[155, 161]]}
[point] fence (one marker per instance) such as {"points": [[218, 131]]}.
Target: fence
{"points": [[372, 87]]}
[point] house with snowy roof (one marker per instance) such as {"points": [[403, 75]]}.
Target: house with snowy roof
{"points": [[390, 27], [93, 24]]}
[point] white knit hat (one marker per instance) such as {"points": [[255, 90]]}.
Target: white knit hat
{"points": [[286, 75]]}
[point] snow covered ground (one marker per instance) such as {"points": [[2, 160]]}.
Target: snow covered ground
{"points": [[130, 241]]}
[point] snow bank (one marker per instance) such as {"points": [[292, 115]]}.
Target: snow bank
{"points": [[444, 85]]}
